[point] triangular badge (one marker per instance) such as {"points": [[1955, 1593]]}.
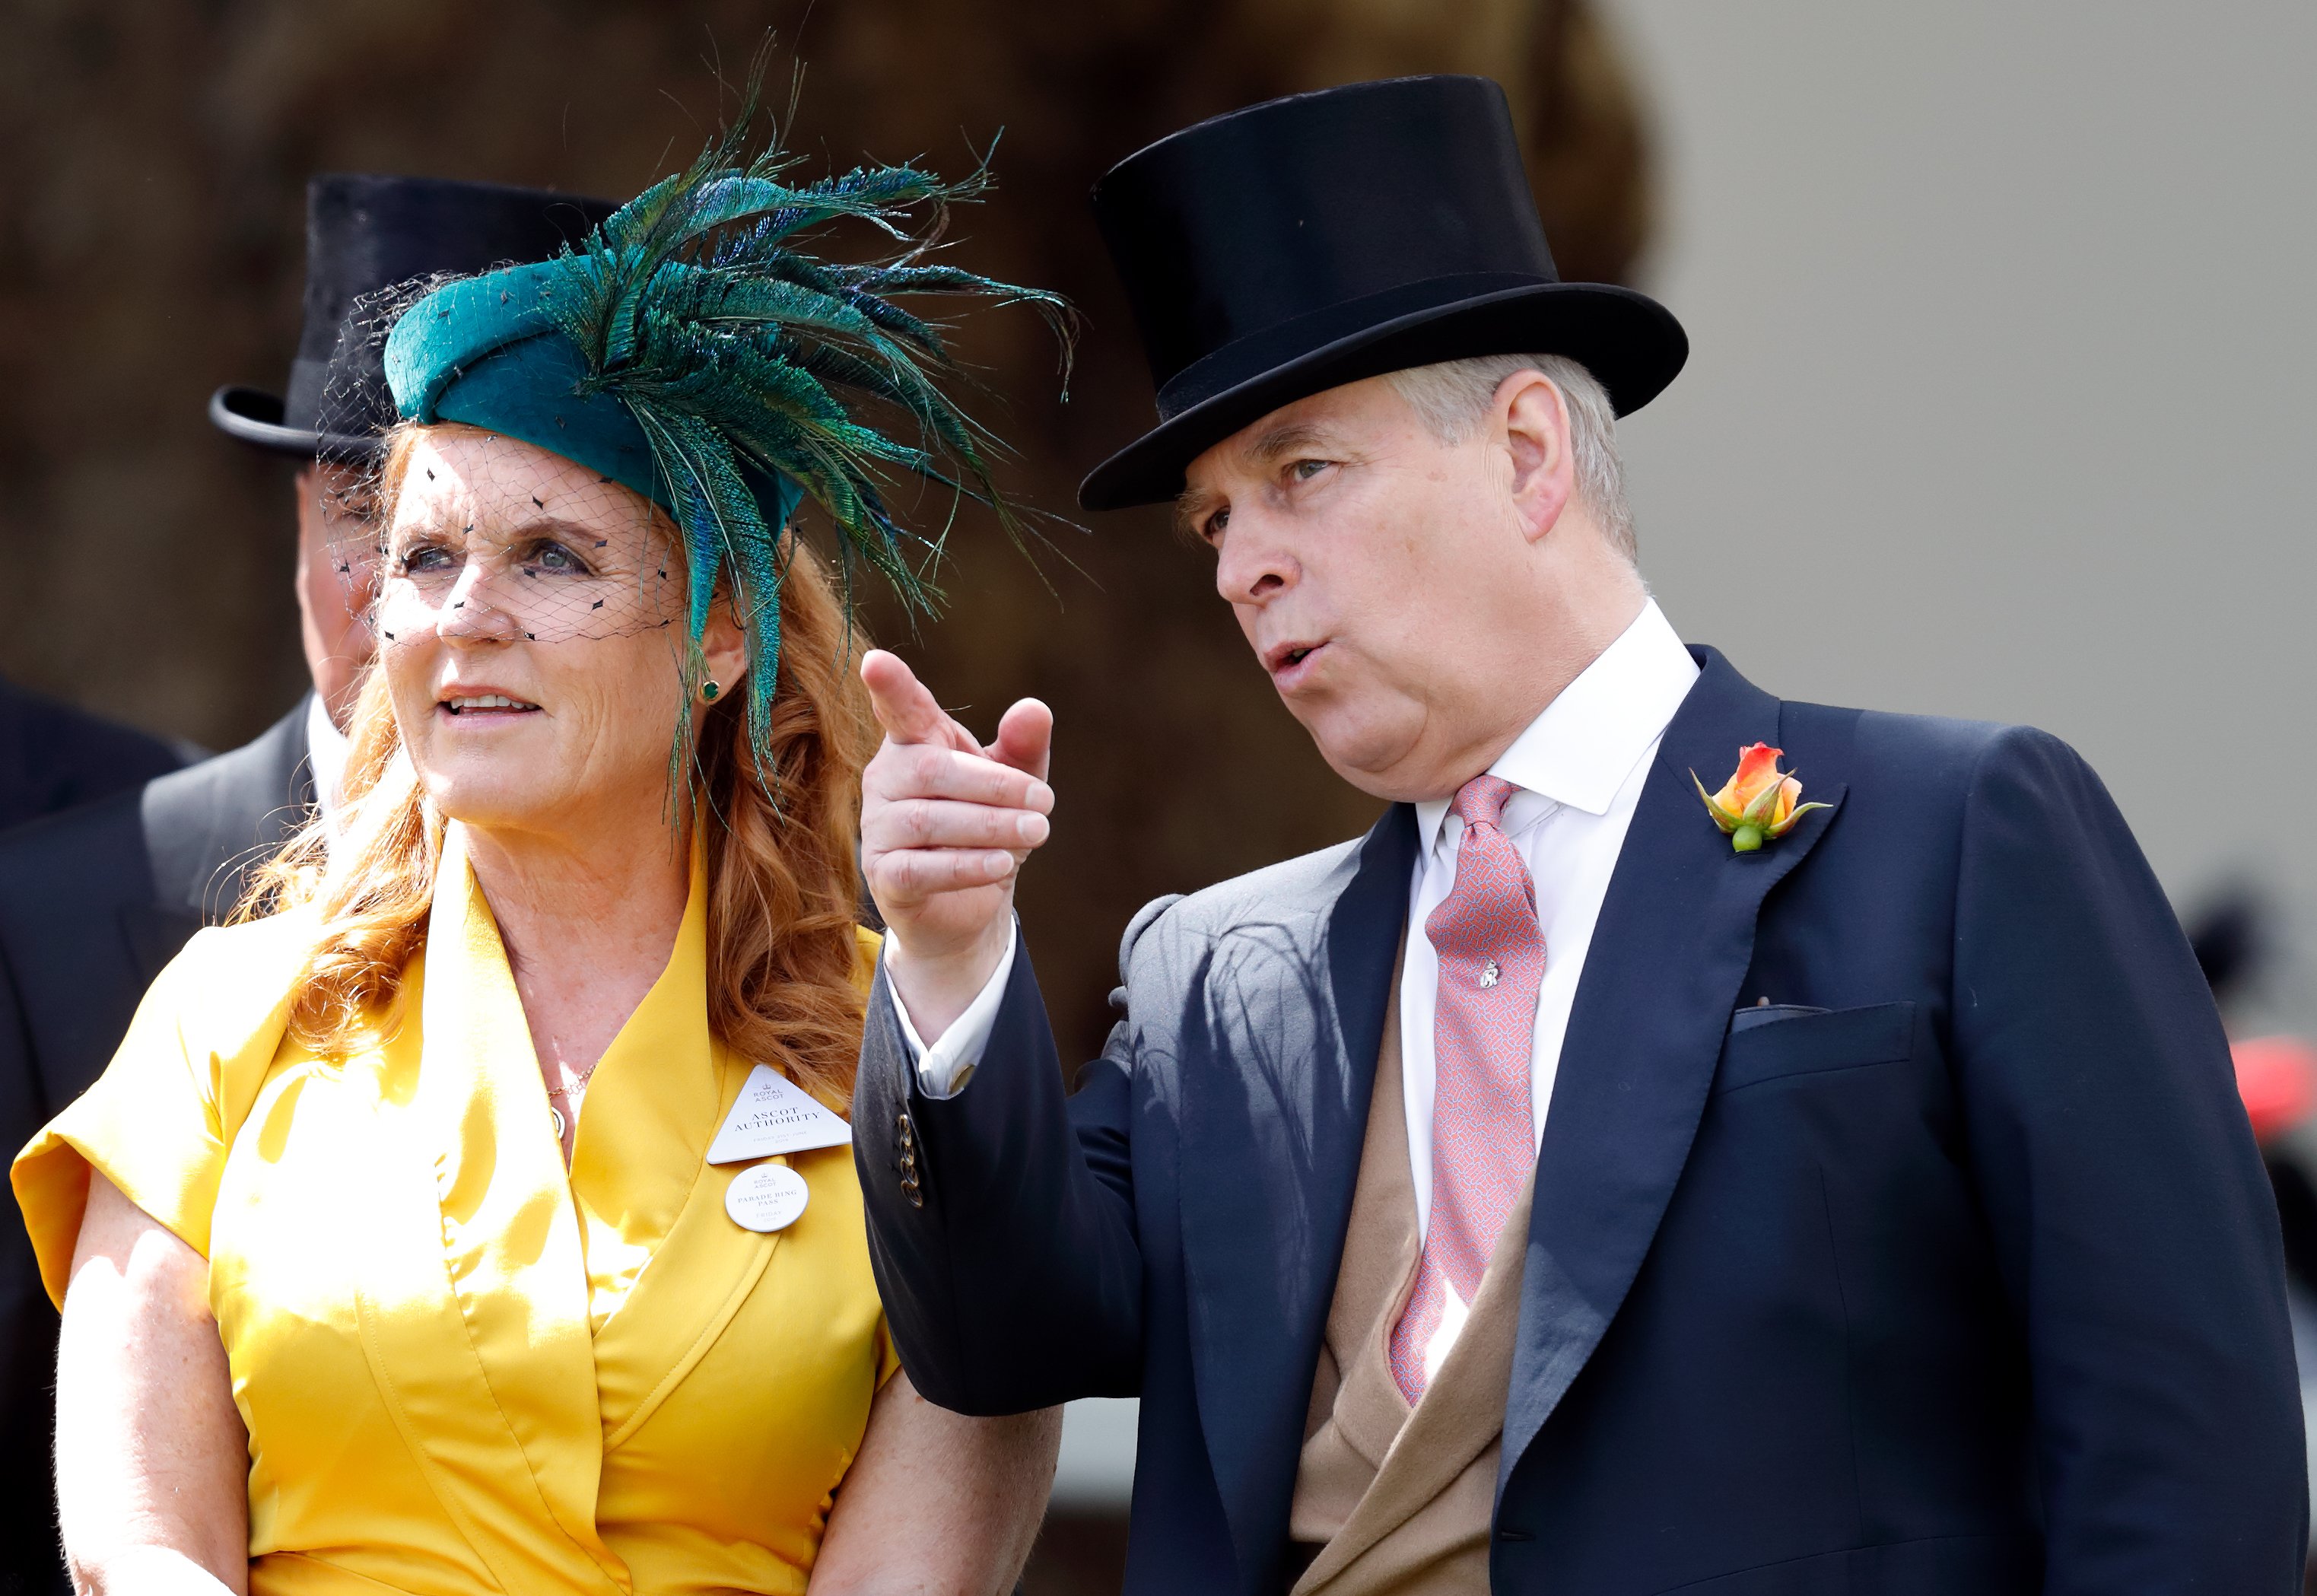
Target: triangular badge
{"points": [[772, 1115]]}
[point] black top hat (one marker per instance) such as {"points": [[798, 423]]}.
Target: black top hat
{"points": [[364, 233], [1312, 241]]}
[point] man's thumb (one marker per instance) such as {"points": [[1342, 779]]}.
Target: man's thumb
{"points": [[1025, 738]]}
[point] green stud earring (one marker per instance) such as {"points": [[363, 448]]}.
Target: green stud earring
{"points": [[709, 691]]}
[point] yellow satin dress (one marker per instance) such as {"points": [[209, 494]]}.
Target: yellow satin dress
{"points": [[463, 1368]]}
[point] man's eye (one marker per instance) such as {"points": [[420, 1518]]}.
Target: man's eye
{"points": [[1305, 470], [1215, 524]]}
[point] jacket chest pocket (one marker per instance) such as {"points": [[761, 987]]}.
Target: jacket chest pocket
{"points": [[1813, 1043]]}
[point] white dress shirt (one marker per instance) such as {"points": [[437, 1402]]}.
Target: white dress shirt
{"points": [[945, 1068], [326, 756], [1579, 766]]}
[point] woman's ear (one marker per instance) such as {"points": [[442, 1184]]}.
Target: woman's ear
{"points": [[724, 648]]}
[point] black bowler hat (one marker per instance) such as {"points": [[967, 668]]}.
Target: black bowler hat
{"points": [[1308, 242], [364, 233]]}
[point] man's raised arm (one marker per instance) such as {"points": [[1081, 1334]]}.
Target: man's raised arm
{"points": [[1000, 1215]]}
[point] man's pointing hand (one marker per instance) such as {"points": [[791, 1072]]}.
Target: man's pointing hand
{"points": [[945, 824]]}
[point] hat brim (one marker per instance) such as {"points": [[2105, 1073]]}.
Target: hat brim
{"points": [[255, 417], [1632, 344]]}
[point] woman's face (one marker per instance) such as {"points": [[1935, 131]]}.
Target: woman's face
{"points": [[531, 627]]}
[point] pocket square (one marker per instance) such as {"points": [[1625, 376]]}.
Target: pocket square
{"points": [[1769, 1014], [1803, 1042]]}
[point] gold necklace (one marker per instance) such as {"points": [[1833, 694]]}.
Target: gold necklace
{"points": [[554, 1114]]}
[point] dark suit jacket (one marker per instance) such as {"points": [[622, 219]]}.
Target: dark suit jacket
{"points": [[1968, 1279], [93, 902], [53, 757]]}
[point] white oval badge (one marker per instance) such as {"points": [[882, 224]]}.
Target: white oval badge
{"points": [[766, 1197]]}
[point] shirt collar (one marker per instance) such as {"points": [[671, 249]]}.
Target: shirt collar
{"points": [[325, 756], [1582, 747]]}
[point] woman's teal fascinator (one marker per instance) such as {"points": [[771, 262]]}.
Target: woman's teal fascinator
{"points": [[690, 351]]}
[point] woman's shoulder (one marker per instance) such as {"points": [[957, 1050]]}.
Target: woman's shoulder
{"points": [[865, 944], [248, 954], [231, 983], [158, 1121]]}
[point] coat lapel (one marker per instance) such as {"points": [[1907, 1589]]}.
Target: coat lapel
{"points": [[1675, 939], [1280, 1067], [208, 825]]}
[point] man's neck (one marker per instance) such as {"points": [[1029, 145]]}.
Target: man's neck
{"points": [[1575, 640]]}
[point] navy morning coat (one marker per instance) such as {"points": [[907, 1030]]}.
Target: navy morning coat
{"points": [[1961, 1275]]}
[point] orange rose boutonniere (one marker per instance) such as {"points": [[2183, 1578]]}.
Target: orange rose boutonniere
{"points": [[1759, 802]]}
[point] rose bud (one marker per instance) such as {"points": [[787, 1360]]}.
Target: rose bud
{"points": [[1759, 803]]}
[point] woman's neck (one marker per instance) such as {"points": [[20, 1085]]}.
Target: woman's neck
{"points": [[588, 926]]}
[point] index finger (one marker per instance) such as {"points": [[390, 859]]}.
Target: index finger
{"points": [[905, 708]]}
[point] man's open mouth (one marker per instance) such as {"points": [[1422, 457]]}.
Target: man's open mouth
{"points": [[1287, 657]]}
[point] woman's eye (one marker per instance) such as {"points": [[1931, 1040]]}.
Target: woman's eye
{"points": [[1215, 524], [424, 559], [1305, 470], [554, 557]]}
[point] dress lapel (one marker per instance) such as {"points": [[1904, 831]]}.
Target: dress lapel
{"points": [[649, 1113], [506, 1221], [651, 1207], [698, 1280], [1674, 940], [646, 1190], [1282, 1066]]}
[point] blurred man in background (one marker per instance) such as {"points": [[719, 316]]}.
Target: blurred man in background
{"points": [[94, 902], [53, 757], [2236, 939]]}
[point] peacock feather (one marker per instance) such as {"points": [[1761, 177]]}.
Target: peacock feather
{"points": [[744, 360]]}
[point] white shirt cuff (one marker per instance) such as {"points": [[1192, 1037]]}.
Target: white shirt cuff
{"points": [[945, 1068]]}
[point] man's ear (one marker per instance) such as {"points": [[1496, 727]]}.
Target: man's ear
{"points": [[1534, 422]]}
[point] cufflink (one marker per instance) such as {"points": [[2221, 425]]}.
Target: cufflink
{"points": [[905, 1131]]}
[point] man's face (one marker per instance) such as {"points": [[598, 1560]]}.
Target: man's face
{"points": [[337, 564], [1381, 575]]}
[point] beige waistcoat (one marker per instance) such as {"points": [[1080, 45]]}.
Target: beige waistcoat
{"points": [[1390, 1501]]}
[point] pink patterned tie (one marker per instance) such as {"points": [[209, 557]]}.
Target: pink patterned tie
{"points": [[1484, 1040]]}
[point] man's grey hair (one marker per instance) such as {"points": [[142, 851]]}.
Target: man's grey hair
{"points": [[1453, 397]]}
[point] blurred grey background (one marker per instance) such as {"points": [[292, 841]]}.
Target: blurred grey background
{"points": [[2001, 402]]}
